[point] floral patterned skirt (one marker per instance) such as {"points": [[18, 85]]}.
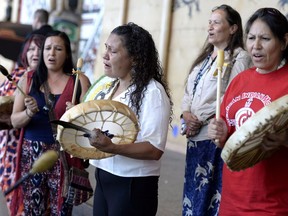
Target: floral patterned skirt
{"points": [[8, 147], [203, 179]]}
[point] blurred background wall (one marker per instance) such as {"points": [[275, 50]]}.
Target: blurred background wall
{"points": [[179, 28]]}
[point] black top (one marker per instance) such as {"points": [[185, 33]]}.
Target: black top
{"points": [[44, 30]]}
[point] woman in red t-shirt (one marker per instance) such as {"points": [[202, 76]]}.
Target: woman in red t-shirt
{"points": [[261, 189]]}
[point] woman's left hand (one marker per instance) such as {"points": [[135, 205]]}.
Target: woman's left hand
{"points": [[193, 125], [272, 141], [69, 105], [101, 141]]}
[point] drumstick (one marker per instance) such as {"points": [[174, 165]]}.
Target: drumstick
{"points": [[78, 70], [220, 62], [43, 163], [9, 77], [87, 132]]}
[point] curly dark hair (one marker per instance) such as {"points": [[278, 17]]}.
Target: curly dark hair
{"points": [[146, 65]]}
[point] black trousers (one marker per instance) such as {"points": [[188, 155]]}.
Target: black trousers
{"points": [[125, 196]]}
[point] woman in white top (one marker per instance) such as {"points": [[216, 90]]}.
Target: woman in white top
{"points": [[127, 183]]}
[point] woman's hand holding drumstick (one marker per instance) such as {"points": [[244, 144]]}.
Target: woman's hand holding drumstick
{"points": [[217, 130], [31, 106], [30, 102]]}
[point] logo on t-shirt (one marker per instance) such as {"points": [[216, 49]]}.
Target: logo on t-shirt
{"points": [[244, 106], [243, 115]]}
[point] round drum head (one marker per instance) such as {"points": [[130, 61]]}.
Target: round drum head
{"points": [[114, 117], [243, 149]]}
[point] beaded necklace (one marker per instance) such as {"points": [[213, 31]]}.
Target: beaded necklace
{"points": [[205, 67]]}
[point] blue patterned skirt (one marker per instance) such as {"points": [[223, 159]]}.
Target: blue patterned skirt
{"points": [[203, 179]]}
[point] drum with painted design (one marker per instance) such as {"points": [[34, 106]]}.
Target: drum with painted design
{"points": [[111, 116], [243, 148]]}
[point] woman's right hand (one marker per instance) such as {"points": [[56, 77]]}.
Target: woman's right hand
{"points": [[31, 104], [193, 125], [273, 141], [217, 130]]}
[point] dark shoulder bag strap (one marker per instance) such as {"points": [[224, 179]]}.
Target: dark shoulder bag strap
{"points": [[54, 126]]}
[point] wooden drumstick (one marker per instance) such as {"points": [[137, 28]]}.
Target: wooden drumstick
{"points": [[9, 77], [78, 70], [220, 62], [45, 162]]}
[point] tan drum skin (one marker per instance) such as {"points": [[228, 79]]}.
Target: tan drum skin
{"points": [[107, 115], [243, 149]]}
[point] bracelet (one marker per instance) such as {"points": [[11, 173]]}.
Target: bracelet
{"points": [[28, 114]]}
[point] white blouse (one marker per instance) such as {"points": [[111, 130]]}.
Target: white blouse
{"points": [[154, 121]]}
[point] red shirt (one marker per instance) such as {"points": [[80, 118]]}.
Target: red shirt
{"points": [[263, 189]]}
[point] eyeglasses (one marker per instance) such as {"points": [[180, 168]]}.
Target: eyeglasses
{"points": [[50, 103]]}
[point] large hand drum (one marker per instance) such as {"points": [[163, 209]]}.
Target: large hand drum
{"points": [[6, 107], [107, 115], [243, 148]]}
